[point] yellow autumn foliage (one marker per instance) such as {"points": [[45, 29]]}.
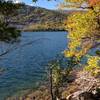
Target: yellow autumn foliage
{"points": [[82, 25], [84, 33], [93, 65]]}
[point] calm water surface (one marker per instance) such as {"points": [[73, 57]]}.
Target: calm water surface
{"points": [[25, 63]]}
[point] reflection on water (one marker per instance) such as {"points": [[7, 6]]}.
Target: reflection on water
{"points": [[26, 60]]}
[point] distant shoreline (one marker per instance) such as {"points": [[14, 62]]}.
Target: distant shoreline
{"points": [[43, 30]]}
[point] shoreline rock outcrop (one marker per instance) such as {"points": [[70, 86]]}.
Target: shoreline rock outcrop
{"points": [[84, 87]]}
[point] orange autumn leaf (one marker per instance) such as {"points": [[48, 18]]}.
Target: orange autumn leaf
{"points": [[93, 2]]}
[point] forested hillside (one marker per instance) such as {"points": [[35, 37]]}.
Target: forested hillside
{"points": [[35, 19]]}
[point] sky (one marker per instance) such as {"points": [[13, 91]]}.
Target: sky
{"points": [[41, 3]]}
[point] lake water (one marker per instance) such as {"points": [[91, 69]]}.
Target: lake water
{"points": [[25, 64]]}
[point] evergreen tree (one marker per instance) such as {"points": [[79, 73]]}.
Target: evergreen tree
{"points": [[7, 9]]}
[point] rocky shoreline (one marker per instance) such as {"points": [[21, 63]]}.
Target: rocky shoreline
{"points": [[84, 87]]}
